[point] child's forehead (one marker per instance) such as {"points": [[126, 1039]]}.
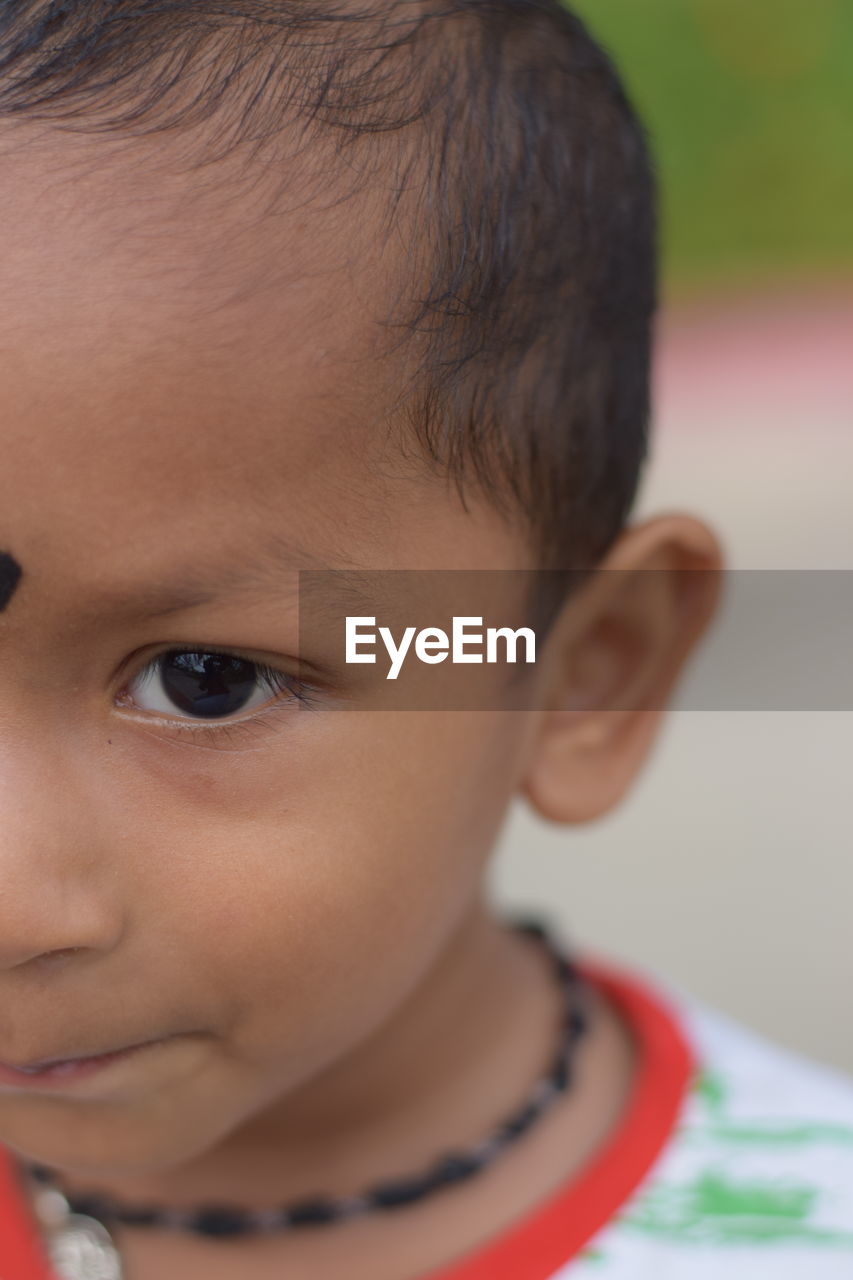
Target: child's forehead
{"points": [[159, 414], [126, 231], [127, 328]]}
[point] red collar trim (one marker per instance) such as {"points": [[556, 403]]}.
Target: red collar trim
{"points": [[555, 1233], [21, 1254], [548, 1238]]}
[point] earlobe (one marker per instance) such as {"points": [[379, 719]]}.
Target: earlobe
{"points": [[615, 656], [584, 764]]}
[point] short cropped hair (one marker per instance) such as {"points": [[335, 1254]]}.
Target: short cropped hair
{"points": [[537, 219]]}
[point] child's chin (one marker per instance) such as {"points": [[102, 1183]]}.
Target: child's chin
{"points": [[102, 1141]]}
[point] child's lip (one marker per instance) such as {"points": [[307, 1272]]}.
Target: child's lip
{"points": [[43, 1064], [47, 1071]]}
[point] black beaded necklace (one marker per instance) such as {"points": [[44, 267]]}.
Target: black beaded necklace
{"points": [[219, 1221]]}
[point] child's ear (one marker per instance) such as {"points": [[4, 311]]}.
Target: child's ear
{"points": [[610, 663]]}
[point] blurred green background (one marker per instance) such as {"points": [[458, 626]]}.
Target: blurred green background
{"points": [[749, 104]]}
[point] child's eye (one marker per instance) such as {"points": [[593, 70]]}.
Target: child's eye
{"points": [[206, 684]]}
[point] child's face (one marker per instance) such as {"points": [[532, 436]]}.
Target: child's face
{"points": [[190, 396], [238, 891]]}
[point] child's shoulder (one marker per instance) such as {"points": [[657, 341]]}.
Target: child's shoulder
{"points": [[757, 1175]]}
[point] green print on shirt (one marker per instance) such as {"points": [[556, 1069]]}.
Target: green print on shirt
{"points": [[711, 1089], [716, 1209], [592, 1255]]}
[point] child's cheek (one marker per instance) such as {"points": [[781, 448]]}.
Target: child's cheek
{"points": [[319, 914]]}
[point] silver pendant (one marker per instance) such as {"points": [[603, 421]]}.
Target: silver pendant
{"points": [[82, 1249], [79, 1247]]}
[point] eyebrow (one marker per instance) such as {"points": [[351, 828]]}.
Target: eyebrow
{"points": [[191, 591], [273, 568]]}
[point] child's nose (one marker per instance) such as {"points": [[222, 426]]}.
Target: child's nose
{"points": [[56, 894]]}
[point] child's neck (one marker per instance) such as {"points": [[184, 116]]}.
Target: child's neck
{"points": [[460, 1055]]}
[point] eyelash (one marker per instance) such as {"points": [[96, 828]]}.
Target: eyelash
{"points": [[295, 690]]}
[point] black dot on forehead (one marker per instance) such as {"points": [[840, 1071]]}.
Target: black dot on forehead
{"points": [[10, 576]]}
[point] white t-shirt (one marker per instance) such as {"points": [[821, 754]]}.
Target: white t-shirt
{"points": [[756, 1179]]}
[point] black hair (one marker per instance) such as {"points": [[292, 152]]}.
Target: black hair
{"points": [[536, 212]]}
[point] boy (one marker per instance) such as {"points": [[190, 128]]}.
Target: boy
{"points": [[288, 289]]}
